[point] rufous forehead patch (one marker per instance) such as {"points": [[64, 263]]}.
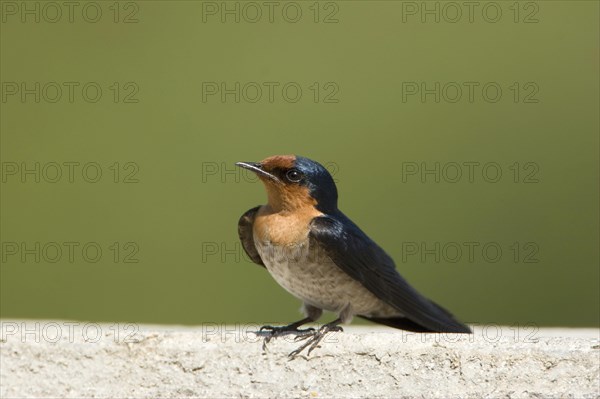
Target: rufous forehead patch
{"points": [[278, 161]]}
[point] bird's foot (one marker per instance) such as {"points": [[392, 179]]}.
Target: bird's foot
{"points": [[275, 332], [314, 339]]}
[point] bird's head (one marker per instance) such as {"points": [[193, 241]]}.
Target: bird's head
{"points": [[295, 182]]}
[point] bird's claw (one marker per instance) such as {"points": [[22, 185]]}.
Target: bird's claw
{"points": [[314, 340], [278, 331]]}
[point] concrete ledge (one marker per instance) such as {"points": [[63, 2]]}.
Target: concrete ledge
{"points": [[103, 360]]}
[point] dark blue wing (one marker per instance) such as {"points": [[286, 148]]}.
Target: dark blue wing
{"points": [[361, 258], [246, 234]]}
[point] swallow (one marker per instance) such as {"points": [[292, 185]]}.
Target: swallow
{"points": [[321, 257]]}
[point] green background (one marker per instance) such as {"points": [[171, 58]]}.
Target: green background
{"points": [[178, 211]]}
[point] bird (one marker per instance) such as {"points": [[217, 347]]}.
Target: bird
{"points": [[320, 256]]}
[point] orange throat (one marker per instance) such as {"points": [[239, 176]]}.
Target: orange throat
{"points": [[288, 198]]}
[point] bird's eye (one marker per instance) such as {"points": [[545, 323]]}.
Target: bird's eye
{"points": [[293, 175]]}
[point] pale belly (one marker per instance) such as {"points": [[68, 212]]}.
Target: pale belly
{"points": [[313, 278]]}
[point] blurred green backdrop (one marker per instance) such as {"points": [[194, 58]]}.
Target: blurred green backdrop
{"points": [[165, 140]]}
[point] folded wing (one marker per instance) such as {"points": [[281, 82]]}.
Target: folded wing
{"points": [[246, 235], [361, 258]]}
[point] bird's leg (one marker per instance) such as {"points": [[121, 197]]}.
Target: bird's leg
{"points": [[292, 328], [317, 337]]}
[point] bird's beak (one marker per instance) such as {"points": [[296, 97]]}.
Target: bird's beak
{"points": [[256, 167]]}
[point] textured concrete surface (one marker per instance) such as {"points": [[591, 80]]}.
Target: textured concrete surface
{"points": [[58, 359]]}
